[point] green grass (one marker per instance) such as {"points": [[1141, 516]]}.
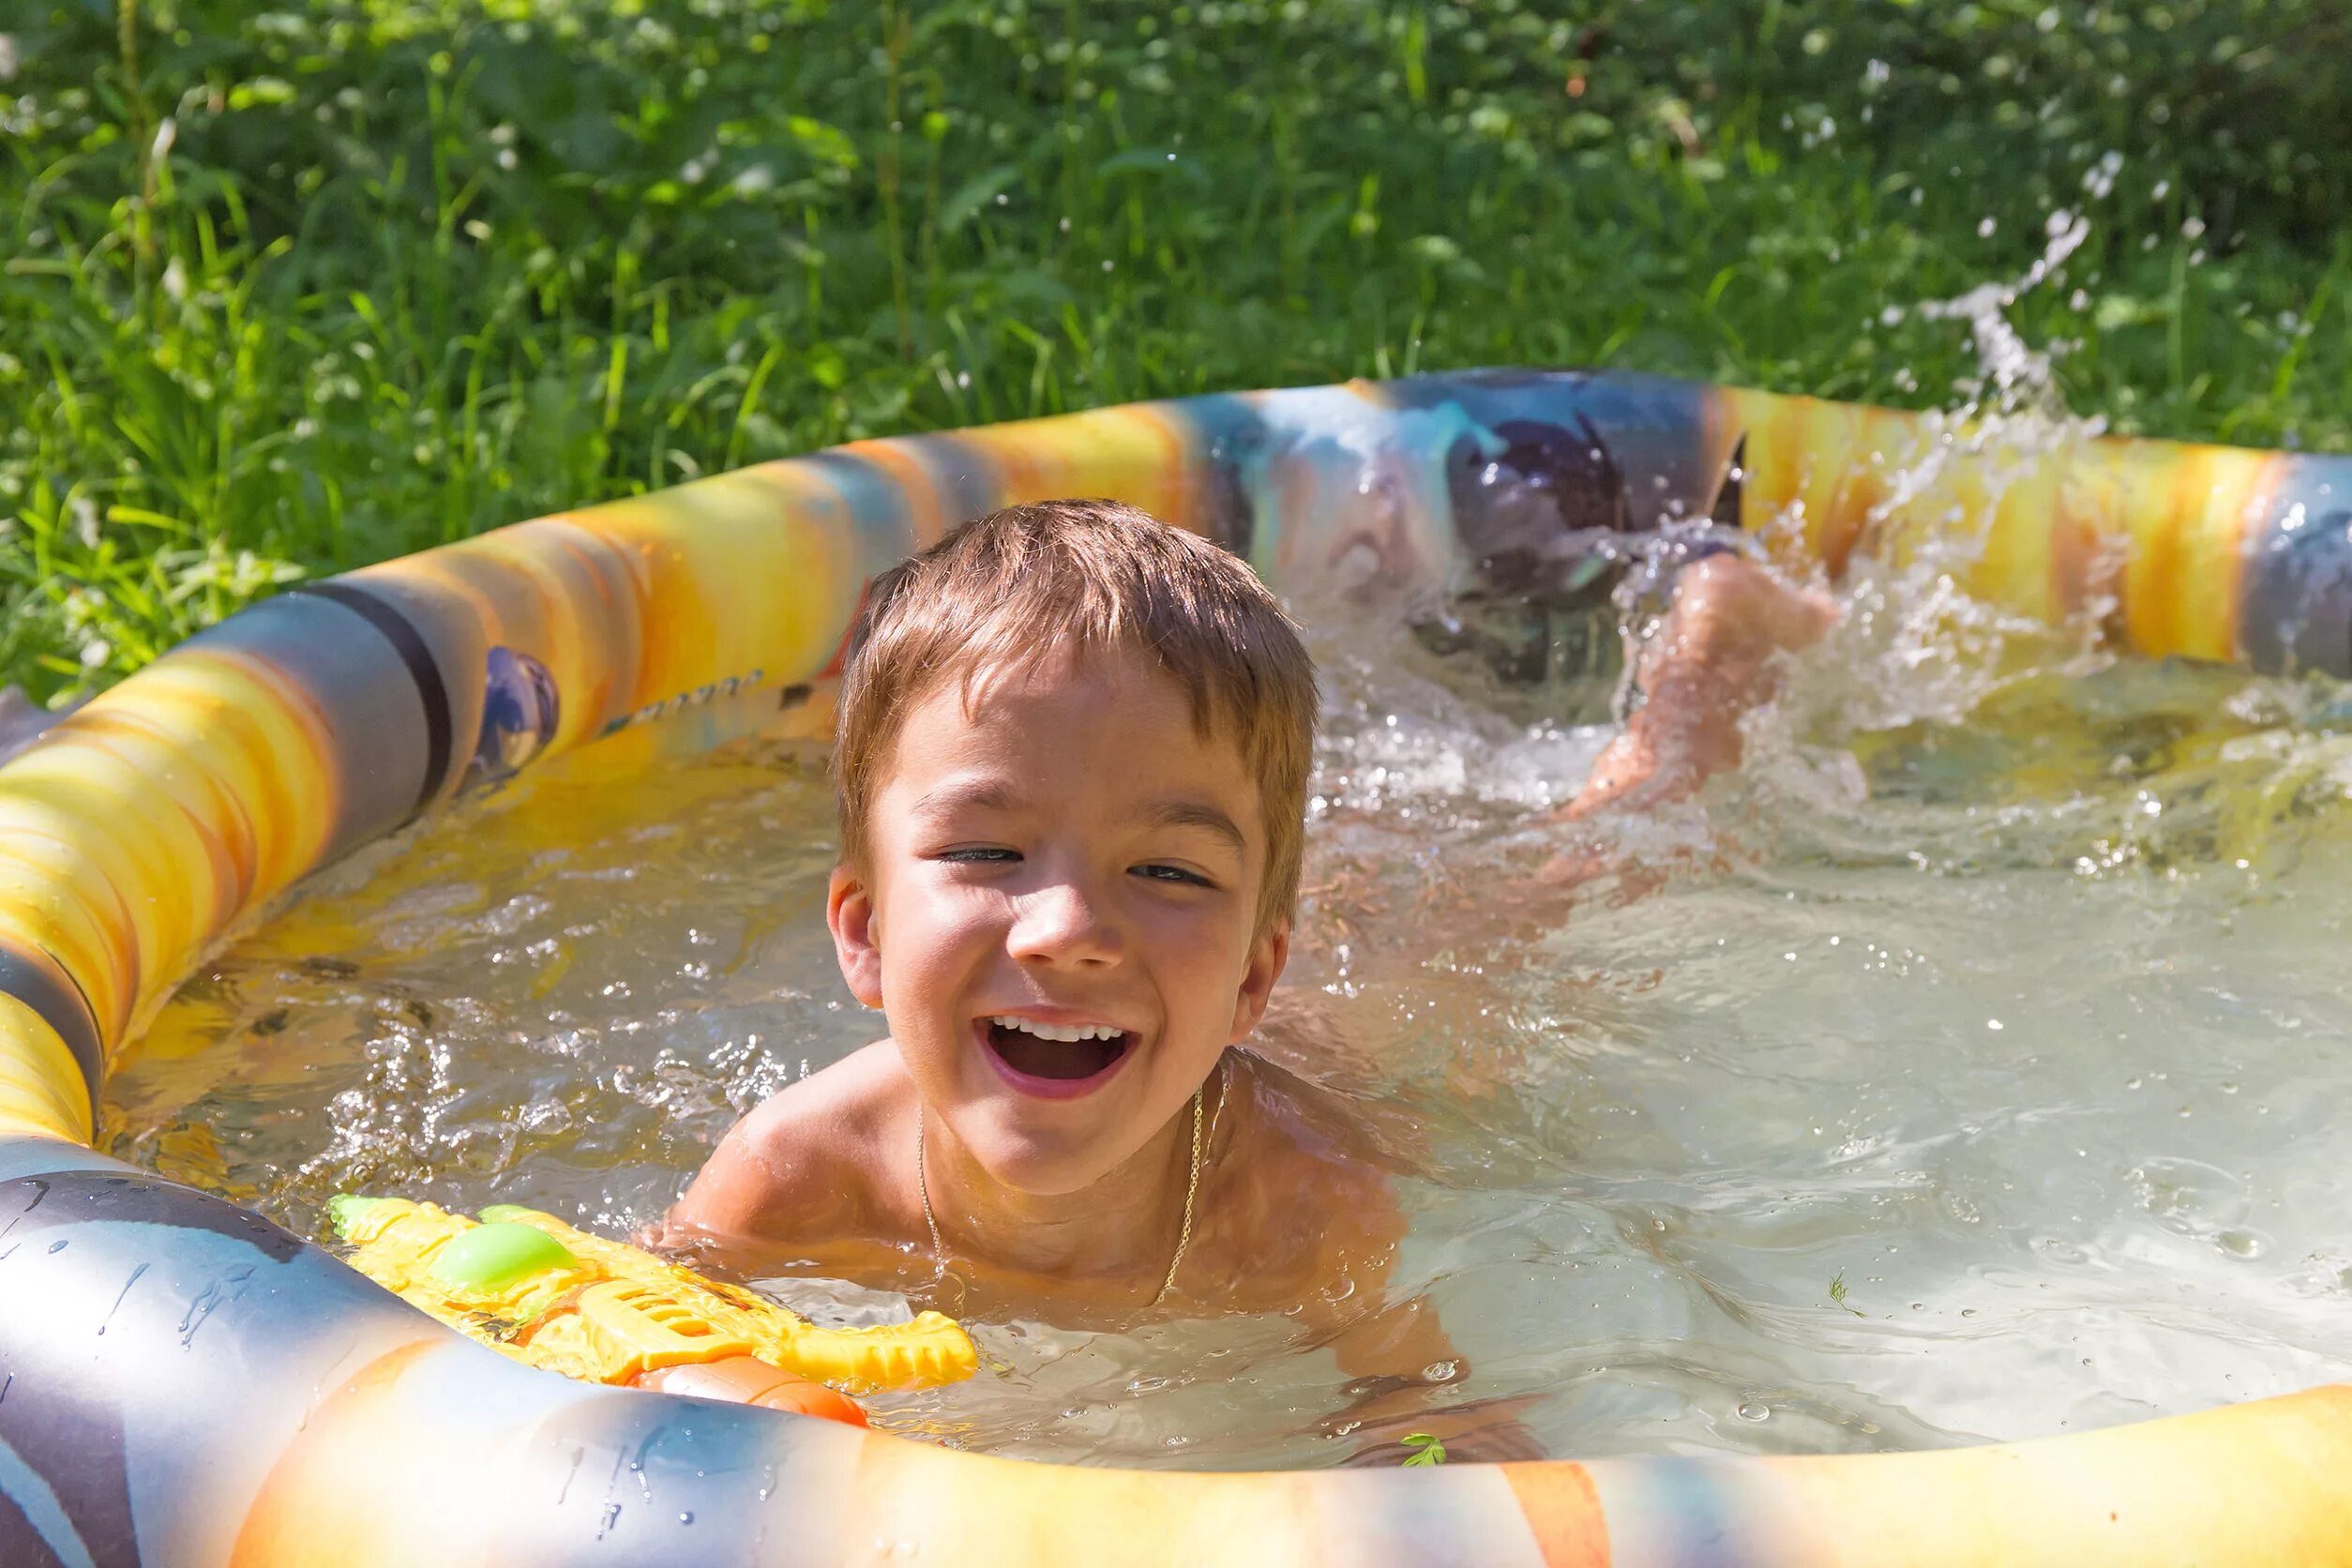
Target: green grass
{"points": [[285, 291]]}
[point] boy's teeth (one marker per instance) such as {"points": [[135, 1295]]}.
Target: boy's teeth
{"points": [[1065, 1033]]}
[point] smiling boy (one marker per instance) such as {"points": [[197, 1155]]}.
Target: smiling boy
{"points": [[1071, 762]]}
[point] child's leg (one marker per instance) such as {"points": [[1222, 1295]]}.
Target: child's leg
{"points": [[1712, 660]]}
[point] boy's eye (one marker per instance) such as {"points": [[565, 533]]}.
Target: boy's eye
{"points": [[982, 855], [1155, 871]]}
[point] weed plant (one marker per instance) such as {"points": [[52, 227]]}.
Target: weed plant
{"points": [[285, 290]]}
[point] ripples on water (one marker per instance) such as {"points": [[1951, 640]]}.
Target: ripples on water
{"points": [[1977, 1079]]}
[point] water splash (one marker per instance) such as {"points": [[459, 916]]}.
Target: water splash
{"points": [[1642, 1136]]}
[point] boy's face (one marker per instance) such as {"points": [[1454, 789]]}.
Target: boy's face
{"points": [[1071, 859]]}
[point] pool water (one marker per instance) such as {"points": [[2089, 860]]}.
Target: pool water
{"points": [[1971, 1070]]}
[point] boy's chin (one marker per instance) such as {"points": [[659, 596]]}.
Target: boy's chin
{"points": [[1043, 1151], [1044, 1171]]}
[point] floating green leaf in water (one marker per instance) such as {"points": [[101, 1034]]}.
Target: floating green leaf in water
{"points": [[1426, 1449], [1837, 1293]]}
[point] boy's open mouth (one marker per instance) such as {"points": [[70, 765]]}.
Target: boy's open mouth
{"points": [[1054, 1059]]}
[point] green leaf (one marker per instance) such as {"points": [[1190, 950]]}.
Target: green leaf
{"points": [[974, 194], [824, 142], [1427, 1449], [1145, 161]]}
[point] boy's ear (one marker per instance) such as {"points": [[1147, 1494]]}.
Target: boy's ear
{"points": [[856, 934], [1268, 953]]}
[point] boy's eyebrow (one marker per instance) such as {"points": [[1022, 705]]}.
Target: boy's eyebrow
{"points": [[1002, 795], [977, 794], [1199, 814]]}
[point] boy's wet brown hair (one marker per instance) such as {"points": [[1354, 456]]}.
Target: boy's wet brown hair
{"points": [[1081, 578]]}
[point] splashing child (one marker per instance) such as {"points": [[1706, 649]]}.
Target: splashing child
{"points": [[1071, 763]]}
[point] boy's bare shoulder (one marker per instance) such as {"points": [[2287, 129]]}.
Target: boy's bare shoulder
{"points": [[800, 1165], [1304, 1196], [1315, 1132]]}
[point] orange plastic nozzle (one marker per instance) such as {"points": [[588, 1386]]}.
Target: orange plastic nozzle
{"points": [[748, 1380]]}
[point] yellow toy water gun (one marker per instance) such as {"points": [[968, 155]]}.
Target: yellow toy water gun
{"points": [[532, 1286]]}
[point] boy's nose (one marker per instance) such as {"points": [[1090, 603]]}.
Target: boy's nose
{"points": [[1062, 925]]}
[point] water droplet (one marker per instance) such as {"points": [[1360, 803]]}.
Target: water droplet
{"points": [[1755, 1409], [686, 1517], [2243, 1243]]}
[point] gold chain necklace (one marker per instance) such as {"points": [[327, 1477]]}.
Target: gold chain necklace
{"points": [[1192, 1189]]}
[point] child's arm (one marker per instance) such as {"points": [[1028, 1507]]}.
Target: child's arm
{"points": [[1400, 1358], [796, 1169], [1396, 1354], [733, 1194]]}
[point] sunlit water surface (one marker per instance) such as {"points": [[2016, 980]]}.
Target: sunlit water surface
{"points": [[1972, 1078]]}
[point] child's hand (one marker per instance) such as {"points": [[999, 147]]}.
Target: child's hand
{"points": [[1484, 1431]]}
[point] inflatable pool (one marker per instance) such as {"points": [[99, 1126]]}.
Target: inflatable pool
{"points": [[183, 1382]]}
